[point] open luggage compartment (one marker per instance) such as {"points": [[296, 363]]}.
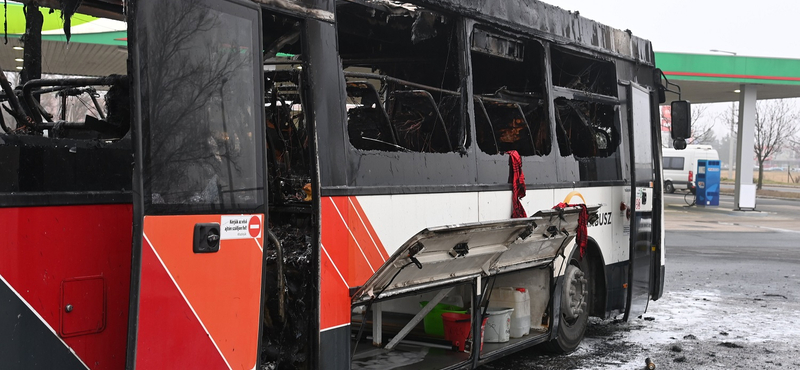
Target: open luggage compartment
{"points": [[454, 267]]}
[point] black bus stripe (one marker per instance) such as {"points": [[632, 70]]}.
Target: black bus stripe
{"points": [[26, 341]]}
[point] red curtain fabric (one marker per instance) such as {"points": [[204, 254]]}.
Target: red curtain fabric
{"points": [[517, 180], [583, 222]]}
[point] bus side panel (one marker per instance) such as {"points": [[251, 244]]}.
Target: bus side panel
{"points": [[198, 310], [358, 234], [326, 94], [58, 256], [351, 253]]}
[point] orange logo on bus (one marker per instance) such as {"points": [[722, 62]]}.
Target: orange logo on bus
{"points": [[572, 195]]}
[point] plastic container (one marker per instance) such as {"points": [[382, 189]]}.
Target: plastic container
{"points": [[433, 320], [457, 329], [498, 324], [520, 301]]}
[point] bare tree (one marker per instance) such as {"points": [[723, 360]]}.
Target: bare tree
{"points": [[702, 129], [728, 142], [776, 126], [793, 146]]}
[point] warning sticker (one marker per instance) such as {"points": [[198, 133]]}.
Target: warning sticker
{"points": [[240, 227]]}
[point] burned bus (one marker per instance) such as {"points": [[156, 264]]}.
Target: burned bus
{"points": [[319, 184]]}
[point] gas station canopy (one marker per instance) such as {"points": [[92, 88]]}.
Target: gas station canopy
{"points": [[718, 78], [707, 78], [98, 46]]}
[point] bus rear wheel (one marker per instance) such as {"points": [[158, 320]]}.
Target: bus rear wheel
{"points": [[574, 312]]}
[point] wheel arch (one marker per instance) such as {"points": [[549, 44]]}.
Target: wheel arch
{"points": [[597, 266], [597, 269], [565, 337]]}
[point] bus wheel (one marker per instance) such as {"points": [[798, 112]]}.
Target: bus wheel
{"points": [[574, 315], [669, 188]]}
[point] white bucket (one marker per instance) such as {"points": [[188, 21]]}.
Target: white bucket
{"points": [[519, 300], [498, 324]]}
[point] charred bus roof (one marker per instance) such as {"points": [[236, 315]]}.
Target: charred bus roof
{"points": [[527, 16], [542, 20]]}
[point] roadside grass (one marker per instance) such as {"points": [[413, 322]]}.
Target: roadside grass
{"points": [[771, 177]]}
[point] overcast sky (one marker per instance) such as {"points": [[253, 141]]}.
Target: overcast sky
{"points": [[768, 28], [764, 28]]}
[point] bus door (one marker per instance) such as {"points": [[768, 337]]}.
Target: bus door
{"points": [[199, 188], [641, 200]]}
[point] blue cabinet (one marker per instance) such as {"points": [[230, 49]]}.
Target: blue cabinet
{"points": [[707, 182]]}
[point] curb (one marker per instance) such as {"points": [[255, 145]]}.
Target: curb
{"points": [[763, 197], [717, 210]]}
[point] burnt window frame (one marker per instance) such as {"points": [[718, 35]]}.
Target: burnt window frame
{"points": [[399, 170], [582, 78], [509, 98], [541, 172], [394, 84], [604, 166]]}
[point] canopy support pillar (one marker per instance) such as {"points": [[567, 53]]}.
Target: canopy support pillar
{"points": [[745, 192]]}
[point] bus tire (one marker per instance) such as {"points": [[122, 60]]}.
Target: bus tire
{"points": [[669, 188], [576, 293]]}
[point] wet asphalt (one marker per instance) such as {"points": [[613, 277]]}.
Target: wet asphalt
{"points": [[732, 298]]}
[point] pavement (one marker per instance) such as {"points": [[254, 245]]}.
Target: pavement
{"points": [[771, 215], [725, 220]]}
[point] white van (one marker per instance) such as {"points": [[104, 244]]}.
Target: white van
{"points": [[680, 166]]}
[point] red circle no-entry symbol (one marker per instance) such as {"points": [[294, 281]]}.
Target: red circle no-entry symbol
{"points": [[254, 226]]}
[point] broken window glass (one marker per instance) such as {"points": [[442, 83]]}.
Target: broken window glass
{"points": [[583, 73], [587, 123], [286, 126], [586, 129], [287, 134], [403, 83], [508, 86]]}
